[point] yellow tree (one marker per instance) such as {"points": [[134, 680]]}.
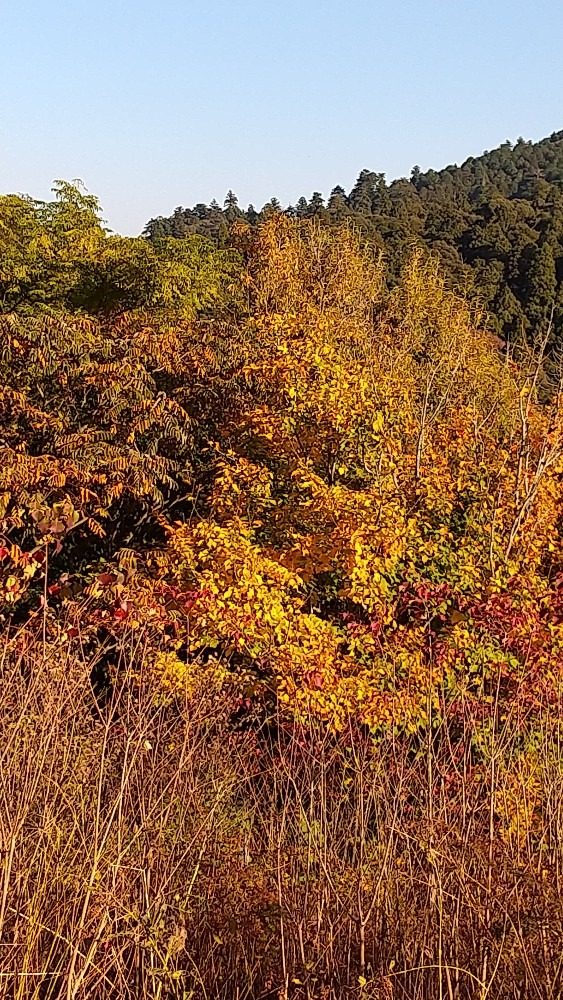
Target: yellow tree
{"points": [[368, 483]]}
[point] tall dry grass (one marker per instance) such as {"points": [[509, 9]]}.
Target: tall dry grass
{"points": [[175, 850]]}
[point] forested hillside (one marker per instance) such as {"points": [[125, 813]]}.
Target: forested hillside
{"points": [[495, 223], [281, 586]]}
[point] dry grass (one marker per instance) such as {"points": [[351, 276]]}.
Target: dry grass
{"points": [[161, 851]]}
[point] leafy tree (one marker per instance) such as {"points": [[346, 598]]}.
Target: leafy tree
{"points": [[58, 255], [45, 246], [350, 492], [354, 535]]}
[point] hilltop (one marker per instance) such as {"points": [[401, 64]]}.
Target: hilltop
{"points": [[496, 223]]}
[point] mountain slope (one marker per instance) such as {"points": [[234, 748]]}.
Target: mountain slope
{"points": [[496, 222]]}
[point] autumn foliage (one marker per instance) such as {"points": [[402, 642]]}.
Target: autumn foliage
{"points": [[315, 520]]}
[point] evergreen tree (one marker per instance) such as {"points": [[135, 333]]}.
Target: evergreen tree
{"points": [[338, 204], [541, 285], [231, 208], [316, 205], [362, 194], [252, 215], [272, 207], [484, 219]]}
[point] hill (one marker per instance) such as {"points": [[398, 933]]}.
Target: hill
{"points": [[496, 223]]}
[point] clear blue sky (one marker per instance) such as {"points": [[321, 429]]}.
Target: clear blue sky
{"points": [[157, 103]]}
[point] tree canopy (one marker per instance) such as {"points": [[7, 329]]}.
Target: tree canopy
{"points": [[495, 223], [264, 447], [281, 594]]}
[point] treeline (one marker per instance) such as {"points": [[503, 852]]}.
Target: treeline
{"points": [[495, 223]]}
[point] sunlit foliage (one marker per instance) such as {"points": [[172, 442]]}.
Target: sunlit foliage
{"points": [[351, 494], [281, 586]]}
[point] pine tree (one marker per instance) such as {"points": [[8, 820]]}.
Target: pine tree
{"points": [[231, 208], [541, 285], [316, 205]]}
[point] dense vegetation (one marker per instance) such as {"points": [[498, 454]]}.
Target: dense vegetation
{"points": [[281, 568], [495, 223]]}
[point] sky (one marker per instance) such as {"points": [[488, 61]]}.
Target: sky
{"points": [[160, 103]]}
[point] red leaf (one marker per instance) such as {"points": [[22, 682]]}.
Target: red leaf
{"points": [[314, 680]]}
